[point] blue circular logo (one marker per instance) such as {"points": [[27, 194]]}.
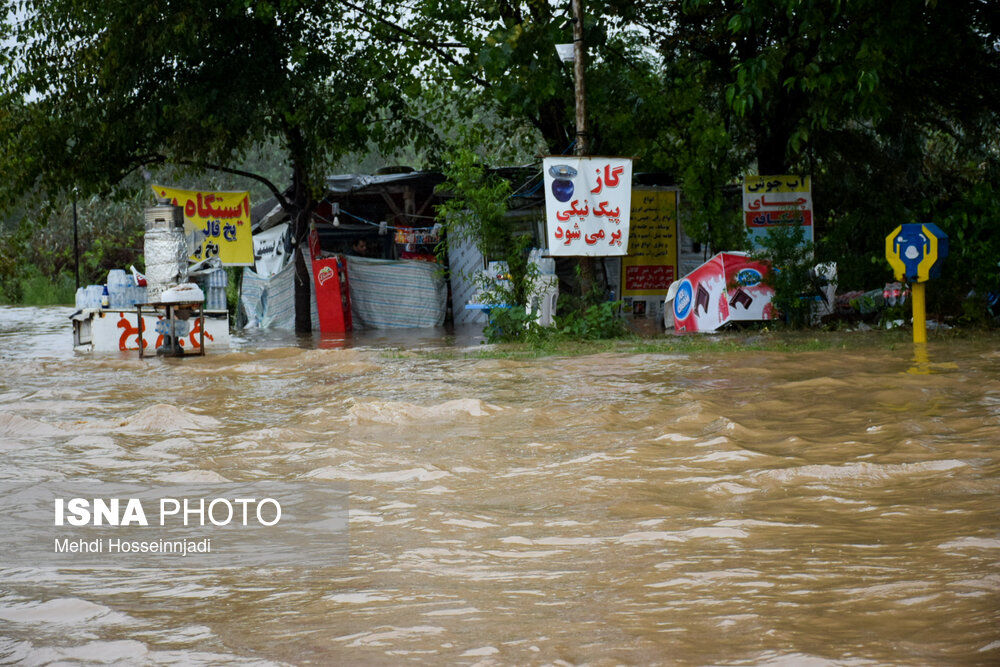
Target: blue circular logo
{"points": [[748, 277], [683, 299]]}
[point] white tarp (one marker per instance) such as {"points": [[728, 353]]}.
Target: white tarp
{"points": [[270, 302], [272, 250]]}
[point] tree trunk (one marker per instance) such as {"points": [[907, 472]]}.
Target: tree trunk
{"points": [[771, 146], [303, 205], [303, 293]]}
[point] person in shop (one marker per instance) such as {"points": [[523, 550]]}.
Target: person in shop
{"points": [[359, 248]]}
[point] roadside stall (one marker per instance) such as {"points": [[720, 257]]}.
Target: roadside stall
{"points": [[371, 258], [178, 306]]}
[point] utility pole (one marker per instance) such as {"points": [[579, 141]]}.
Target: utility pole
{"points": [[582, 144], [76, 243], [579, 67]]}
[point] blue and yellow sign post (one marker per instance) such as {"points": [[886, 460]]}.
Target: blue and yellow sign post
{"points": [[916, 253]]}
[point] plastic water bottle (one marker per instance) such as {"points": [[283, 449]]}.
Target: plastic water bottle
{"points": [[215, 295]]}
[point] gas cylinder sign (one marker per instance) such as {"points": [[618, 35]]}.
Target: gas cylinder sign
{"points": [[587, 205]]}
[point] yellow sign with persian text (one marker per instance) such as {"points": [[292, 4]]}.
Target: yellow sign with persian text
{"points": [[222, 217], [652, 260]]}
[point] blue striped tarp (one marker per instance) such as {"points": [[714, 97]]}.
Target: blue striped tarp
{"points": [[270, 302], [388, 294]]}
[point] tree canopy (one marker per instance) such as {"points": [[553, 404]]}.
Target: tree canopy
{"points": [[96, 90], [892, 107]]}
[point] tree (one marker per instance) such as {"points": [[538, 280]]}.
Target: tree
{"points": [[499, 57], [859, 93], [96, 90], [794, 70]]}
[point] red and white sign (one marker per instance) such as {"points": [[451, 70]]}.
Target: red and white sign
{"points": [[728, 287], [587, 205], [770, 201]]}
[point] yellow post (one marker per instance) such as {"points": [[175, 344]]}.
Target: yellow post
{"points": [[919, 313]]}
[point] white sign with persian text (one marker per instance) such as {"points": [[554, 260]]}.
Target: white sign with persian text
{"points": [[587, 205]]}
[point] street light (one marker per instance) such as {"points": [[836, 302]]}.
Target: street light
{"points": [[576, 53]]}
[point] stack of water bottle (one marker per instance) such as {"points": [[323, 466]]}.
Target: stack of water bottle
{"points": [[215, 284], [120, 293]]}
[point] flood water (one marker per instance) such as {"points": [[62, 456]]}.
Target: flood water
{"points": [[721, 508]]}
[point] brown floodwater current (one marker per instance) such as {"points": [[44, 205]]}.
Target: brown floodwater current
{"points": [[782, 508]]}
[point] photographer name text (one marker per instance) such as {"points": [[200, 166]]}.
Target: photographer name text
{"points": [[114, 545]]}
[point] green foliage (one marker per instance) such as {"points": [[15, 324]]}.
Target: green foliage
{"points": [[476, 207], [847, 92], [578, 318], [513, 324], [36, 257], [96, 89], [891, 129], [790, 258], [973, 263], [589, 316], [31, 288], [93, 91], [594, 321]]}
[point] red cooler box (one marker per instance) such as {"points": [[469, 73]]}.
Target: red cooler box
{"points": [[333, 300]]}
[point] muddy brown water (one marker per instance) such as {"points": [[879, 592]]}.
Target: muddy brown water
{"points": [[727, 508]]}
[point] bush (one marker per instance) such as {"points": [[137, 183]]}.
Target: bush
{"points": [[590, 317], [785, 249], [36, 256]]}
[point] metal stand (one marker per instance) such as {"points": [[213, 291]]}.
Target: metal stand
{"points": [[170, 315]]}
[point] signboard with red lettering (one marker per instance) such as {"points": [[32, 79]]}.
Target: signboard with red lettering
{"points": [[587, 205], [651, 264], [769, 201]]}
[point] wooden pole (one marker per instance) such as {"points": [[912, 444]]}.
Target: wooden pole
{"points": [[579, 68], [582, 144]]}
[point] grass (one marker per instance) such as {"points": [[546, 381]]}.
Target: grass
{"points": [[37, 290], [754, 340]]}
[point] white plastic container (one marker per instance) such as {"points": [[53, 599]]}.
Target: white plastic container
{"points": [[544, 295]]}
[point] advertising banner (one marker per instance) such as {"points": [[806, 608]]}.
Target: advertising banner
{"points": [[651, 263], [272, 250], [222, 217], [769, 201], [728, 287], [587, 205]]}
